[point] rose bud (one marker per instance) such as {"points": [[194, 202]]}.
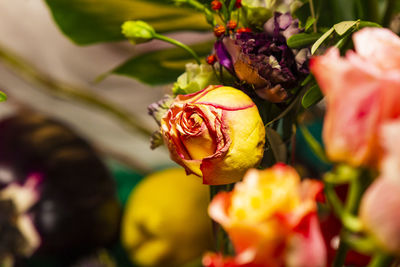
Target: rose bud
{"points": [[264, 60], [216, 5], [362, 91], [216, 133], [211, 59], [138, 31], [219, 30], [231, 25], [238, 3], [271, 218]]}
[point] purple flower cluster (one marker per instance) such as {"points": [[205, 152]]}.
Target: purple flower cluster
{"points": [[264, 59]]}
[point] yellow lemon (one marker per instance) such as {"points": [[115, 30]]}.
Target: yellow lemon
{"points": [[165, 221]]}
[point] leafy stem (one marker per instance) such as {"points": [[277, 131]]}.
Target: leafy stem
{"points": [[347, 214]]}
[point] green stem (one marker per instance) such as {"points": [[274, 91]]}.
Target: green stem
{"points": [[341, 255], [354, 196], [231, 6], [387, 17], [221, 239], [380, 260], [351, 207], [178, 44], [314, 144], [364, 245], [313, 15], [350, 222], [225, 11]]}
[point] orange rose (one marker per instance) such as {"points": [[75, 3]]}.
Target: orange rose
{"points": [[271, 218], [216, 133], [362, 91]]}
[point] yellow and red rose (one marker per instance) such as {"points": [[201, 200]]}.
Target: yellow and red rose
{"points": [[271, 218], [216, 133]]}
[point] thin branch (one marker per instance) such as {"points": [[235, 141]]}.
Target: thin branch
{"points": [[313, 16]]}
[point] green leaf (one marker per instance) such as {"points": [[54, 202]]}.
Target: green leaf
{"points": [[312, 96], [308, 79], [160, 67], [321, 40], [89, 21], [344, 26], [277, 145], [302, 39], [310, 21], [364, 24], [3, 96], [341, 31]]}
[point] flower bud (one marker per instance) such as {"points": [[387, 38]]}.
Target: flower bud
{"points": [[216, 5], [138, 31], [238, 3], [219, 30], [231, 25], [211, 59]]}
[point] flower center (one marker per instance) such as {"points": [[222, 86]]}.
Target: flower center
{"points": [[195, 135]]}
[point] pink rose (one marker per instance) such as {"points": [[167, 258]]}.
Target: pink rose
{"points": [[381, 202], [362, 91]]}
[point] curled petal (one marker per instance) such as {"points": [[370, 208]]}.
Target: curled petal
{"points": [[223, 56], [216, 133], [379, 46]]}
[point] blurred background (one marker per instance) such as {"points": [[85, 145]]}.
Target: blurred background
{"points": [[74, 148], [28, 32]]}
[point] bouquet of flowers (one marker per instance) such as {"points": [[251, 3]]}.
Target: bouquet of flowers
{"points": [[238, 100]]}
